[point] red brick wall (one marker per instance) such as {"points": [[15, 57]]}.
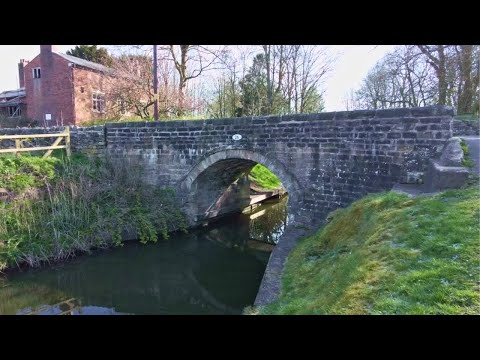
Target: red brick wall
{"points": [[86, 83], [33, 90], [52, 93], [21, 73]]}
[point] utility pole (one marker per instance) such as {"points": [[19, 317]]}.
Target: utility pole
{"points": [[155, 84]]}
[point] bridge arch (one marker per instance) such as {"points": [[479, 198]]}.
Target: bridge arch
{"points": [[207, 190]]}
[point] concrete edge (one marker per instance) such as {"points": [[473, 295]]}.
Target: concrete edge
{"points": [[270, 287]]}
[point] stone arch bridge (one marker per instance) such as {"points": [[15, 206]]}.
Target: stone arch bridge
{"points": [[324, 160]]}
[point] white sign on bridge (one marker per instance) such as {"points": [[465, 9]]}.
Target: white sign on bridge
{"points": [[237, 137]]}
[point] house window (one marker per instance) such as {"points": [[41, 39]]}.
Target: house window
{"points": [[36, 73], [98, 102], [14, 111]]}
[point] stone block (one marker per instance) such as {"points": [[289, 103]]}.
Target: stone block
{"points": [[441, 177], [452, 153]]}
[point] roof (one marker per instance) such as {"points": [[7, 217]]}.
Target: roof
{"points": [[12, 97], [4, 96], [84, 63], [12, 102]]}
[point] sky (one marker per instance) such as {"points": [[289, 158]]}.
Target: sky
{"points": [[351, 65]]}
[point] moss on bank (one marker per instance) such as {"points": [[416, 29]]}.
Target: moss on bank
{"points": [[389, 254], [77, 205], [467, 160]]}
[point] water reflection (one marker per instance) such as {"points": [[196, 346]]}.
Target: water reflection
{"points": [[263, 224], [215, 270], [271, 223]]}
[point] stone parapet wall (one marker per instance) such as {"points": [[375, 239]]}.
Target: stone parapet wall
{"points": [[469, 128]]}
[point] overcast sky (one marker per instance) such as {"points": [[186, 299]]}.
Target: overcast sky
{"points": [[351, 65]]}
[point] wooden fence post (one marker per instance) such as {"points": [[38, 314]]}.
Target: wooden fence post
{"points": [[18, 145], [67, 141]]}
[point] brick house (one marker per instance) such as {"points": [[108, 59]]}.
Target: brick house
{"points": [[63, 90]]}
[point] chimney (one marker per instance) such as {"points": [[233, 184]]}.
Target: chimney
{"points": [[48, 49], [21, 72]]}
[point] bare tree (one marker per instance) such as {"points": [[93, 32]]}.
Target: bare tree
{"points": [[350, 100], [437, 58], [413, 84], [314, 65], [131, 89], [191, 61], [294, 74], [424, 75], [226, 101], [279, 79], [400, 79], [284, 79], [132, 84]]}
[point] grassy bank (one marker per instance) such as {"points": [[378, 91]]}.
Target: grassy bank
{"points": [[389, 254], [56, 208], [264, 178]]}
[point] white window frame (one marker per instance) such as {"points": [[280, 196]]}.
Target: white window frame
{"points": [[98, 105], [37, 73]]}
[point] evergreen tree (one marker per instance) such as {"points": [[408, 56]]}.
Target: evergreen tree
{"points": [[91, 53]]}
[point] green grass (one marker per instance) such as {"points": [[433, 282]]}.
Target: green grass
{"points": [[79, 204], [20, 173], [389, 254], [264, 178], [467, 161]]}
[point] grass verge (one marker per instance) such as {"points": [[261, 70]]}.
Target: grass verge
{"points": [[389, 254]]}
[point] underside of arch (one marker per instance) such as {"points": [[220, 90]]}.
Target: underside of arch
{"points": [[218, 184]]}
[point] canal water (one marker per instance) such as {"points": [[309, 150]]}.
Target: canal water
{"points": [[216, 269]]}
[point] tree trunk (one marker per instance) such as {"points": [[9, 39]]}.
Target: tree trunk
{"points": [[442, 76], [465, 94], [182, 85], [438, 64], [267, 51]]}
